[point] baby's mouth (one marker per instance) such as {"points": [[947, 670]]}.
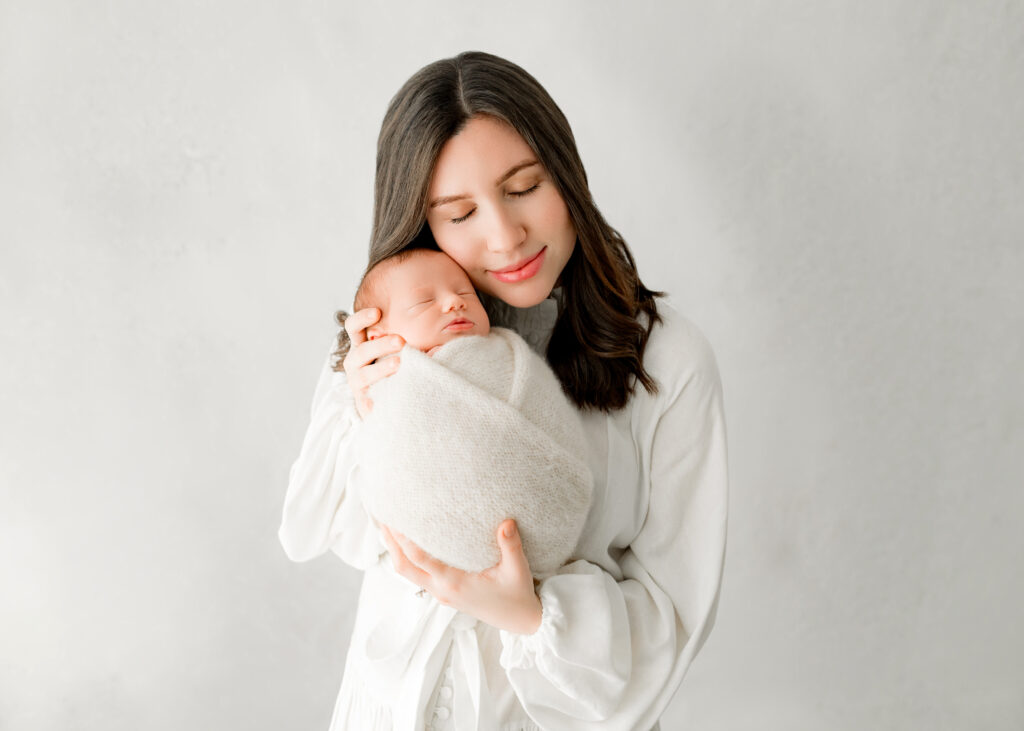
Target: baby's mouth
{"points": [[459, 323]]}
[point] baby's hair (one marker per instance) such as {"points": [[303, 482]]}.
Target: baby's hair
{"points": [[367, 295]]}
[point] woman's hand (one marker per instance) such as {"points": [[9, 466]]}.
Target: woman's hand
{"points": [[366, 361], [503, 596]]}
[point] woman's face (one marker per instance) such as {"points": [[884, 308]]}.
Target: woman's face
{"points": [[494, 209]]}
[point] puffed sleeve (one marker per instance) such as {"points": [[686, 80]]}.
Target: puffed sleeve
{"points": [[322, 507], [610, 653]]}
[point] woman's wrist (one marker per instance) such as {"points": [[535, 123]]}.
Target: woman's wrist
{"points": [[531, 619]]}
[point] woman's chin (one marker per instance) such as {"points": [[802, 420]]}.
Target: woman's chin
{"points": [[522, 296]]}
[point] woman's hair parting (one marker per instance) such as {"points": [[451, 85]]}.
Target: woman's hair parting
{"points": [[597, 346]]}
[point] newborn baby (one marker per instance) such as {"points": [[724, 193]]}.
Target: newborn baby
{"points": [[472, 429]]}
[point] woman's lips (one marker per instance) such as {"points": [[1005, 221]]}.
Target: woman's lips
{"points": [[522, 270]]}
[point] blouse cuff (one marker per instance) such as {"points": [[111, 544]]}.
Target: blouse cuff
{"points": [[519, 650]]}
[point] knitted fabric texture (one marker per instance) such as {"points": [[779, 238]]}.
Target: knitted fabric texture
{"points": [[460, 441]]}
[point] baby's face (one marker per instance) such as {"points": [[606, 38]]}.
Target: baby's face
{"points": [[430, 301]]}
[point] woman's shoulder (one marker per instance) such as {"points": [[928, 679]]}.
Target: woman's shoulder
{"points": [[679, 353]]}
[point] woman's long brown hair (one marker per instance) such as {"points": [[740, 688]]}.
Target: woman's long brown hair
{"points": [[606, 313]]}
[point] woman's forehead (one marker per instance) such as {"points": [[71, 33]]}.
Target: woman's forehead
{"points": [[483, 152]]}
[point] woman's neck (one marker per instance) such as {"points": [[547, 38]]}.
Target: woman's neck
{"points": [[534, 324]]}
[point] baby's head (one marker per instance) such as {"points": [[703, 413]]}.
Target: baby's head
{"points": [[424, 296]]}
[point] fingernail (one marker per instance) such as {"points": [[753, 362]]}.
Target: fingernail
{"points": [[510, 530]]}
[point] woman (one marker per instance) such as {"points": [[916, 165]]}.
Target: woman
{"points": [[475, 158]]}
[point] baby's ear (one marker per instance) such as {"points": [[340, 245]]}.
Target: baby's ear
{"points": [[375, 331]]}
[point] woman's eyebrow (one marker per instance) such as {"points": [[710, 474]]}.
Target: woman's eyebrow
{"points": [[505, 176], [515, 169]]}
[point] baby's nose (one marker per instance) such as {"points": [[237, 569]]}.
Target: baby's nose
{"points": [[455, 302]]}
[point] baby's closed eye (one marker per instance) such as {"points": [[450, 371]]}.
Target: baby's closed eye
{"points": [[421, 303]]}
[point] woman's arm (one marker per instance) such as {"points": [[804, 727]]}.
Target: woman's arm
{"points": [[610, 654], [320, 511]]}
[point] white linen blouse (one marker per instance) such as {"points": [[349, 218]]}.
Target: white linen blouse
{"points": [[621, 623]]}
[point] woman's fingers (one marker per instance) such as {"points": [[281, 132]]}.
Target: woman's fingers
{"points": [[371, 350], [368, 375], [368, 363], [441, 580], [359, 381], [357, 322], [420, 558], [403, 566]]}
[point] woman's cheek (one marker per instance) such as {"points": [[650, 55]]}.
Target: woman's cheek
{"points": [[556, 213], [455, 245]]}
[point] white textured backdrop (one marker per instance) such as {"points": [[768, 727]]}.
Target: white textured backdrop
{"points": [[833, 191]]}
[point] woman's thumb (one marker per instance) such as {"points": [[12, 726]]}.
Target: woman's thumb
{"points": [[509, 541]]}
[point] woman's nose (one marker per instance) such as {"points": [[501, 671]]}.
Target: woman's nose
{"points": [[506, 232]]}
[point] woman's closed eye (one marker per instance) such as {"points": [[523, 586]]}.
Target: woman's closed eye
{"points": [[519, 193], [513, 193]]}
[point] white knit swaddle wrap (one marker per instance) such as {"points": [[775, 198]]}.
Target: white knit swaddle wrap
{"points": [[458, 442]]}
